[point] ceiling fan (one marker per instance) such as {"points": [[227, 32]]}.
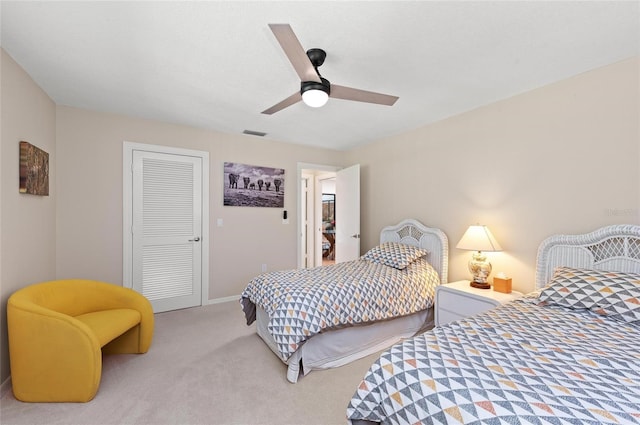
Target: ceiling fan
{"points": [[314, 89]]}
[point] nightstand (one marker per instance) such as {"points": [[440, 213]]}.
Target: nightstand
{"points": [[457, 300]]}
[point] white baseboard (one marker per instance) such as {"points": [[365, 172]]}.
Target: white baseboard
{"points": [[224, 299]]}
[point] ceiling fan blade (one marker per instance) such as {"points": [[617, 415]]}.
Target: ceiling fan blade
{"points": [[294, 51], [294, 98], [348, 93]]}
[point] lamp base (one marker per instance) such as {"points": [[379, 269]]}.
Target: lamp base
{"points": [[480, 285], [480, 269]]}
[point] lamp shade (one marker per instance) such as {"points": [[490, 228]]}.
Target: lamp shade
{"points": [[478, 238]]}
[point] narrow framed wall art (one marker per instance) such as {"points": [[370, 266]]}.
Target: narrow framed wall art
{"points": [[34, 170]]}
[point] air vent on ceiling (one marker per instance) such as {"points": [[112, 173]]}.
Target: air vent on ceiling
{"points": [[254, 133]]}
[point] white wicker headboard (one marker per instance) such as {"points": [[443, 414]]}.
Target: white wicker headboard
{"points": [[611, 248], [412, 232]]}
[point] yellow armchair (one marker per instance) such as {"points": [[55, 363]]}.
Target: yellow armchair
{"points": [[58, 331]]}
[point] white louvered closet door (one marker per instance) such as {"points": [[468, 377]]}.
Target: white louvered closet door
{"points": [[167, 227]]}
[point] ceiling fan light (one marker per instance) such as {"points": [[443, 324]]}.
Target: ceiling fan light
{"points": [[315, 94], [315, 98]]}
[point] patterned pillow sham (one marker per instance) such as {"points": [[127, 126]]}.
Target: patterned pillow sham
{"points": [[394, 254], [613, 294], [624, 306]]}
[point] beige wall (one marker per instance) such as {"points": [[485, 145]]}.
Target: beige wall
{"points": [[560, 159], [563, 158], [89, 243], [27, 222]]}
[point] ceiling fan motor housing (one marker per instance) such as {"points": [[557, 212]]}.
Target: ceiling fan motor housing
{"points": [[325, 86]]}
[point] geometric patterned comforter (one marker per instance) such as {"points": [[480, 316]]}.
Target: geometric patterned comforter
{"points": [[303, 302], [517, 364]]}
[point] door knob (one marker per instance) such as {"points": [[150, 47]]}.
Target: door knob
{"points": [[196, 239], [356, 236]]}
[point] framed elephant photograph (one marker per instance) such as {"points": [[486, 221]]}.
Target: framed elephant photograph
{"points": [[253, 186]]}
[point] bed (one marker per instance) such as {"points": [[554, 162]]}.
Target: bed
{"points": [[328, 316], [567, 353]]}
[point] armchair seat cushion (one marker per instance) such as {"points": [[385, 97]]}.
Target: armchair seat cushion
{"points": [[110, 324]]}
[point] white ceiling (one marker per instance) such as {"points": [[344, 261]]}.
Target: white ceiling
{"points": [[216, 64]]}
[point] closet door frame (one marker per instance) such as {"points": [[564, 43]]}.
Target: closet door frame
{"points": [[127, 207]]}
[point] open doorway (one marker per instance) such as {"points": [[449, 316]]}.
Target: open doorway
{"points": [[344, 224], [313, 249]]}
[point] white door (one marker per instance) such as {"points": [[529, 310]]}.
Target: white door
{"points": [[167, 229], [347, 246], [317, 221]]}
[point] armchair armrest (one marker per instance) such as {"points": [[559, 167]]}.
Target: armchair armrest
{"points": [[53, 356]]}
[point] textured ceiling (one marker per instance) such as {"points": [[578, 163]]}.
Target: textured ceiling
{"points": [[216, 65]]}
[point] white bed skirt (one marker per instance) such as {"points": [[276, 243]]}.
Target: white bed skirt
{"points": [[338, 347]]}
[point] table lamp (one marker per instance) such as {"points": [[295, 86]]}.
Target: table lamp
{"points": [[478, 238]]}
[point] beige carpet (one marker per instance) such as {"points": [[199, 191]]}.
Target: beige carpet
{"points": [[205, 366]]}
